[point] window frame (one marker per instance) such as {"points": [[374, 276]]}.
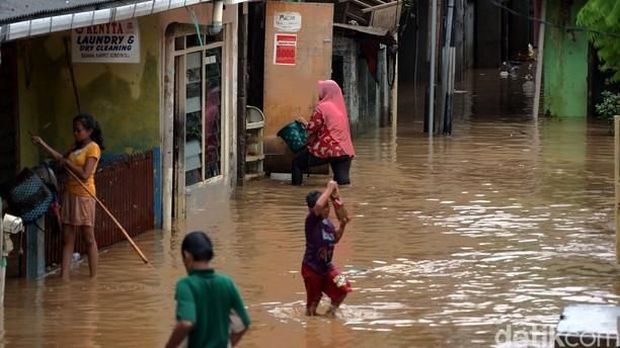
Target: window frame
{"points": [[224, 110]]}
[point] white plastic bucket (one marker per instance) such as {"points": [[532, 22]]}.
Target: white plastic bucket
{"points": [[12, 224]]}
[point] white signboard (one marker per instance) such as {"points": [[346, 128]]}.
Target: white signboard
{"points": [[116, 42], [288, 22]]}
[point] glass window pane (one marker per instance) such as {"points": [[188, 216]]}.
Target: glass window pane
{"points": [[194, 40], [179, 43], [213, 119], [193, 119], [215, 38]]}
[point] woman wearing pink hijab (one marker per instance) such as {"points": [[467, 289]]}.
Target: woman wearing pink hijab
{"points": [[329, 136]]}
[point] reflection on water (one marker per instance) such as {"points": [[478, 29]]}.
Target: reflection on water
{"points": [[501, 224]]}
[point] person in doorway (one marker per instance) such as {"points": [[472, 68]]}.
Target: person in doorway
{"points": [[78, 204], [329, 136], [210, 311], [320, 275]]}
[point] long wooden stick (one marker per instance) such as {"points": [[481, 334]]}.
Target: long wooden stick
{"points": [[617, 182], [118, 224]]}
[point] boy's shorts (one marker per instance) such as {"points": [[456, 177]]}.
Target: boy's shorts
{"points": [[334, 284]]}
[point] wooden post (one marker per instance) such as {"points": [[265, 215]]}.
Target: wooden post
{"points": [[385, 90], [617, 181], [539, 61], [242, 91], [394, 100]]}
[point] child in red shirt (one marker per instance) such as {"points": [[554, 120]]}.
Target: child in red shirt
{"points": [[320, 275]]}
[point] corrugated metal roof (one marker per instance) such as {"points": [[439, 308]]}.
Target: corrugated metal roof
{"points": [[20, 10], [111, 11], [363, 29]]}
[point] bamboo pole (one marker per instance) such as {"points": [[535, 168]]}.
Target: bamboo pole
{"points": [[118, 224], [617, 182]]}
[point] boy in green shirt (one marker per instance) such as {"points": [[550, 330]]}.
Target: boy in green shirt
{"points": [[207, 301]]}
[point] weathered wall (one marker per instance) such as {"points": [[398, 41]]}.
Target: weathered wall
{"points": [[347, 49], [127, 99], [123, 97], [361, 91], [565, 63]]}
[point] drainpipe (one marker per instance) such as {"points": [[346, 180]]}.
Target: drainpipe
{"points": [[216, 21]]}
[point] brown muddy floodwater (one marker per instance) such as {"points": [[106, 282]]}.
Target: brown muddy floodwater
{"points": [[496, 227]]}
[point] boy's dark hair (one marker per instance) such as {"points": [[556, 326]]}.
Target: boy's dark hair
{"points": [[88, 122], [199, 245], [312, 198]]}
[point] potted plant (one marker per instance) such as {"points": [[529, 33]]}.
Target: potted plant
{"points": [[608, 108]]}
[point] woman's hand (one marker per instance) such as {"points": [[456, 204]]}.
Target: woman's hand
{"points": [[36, 140], [302, 120]]}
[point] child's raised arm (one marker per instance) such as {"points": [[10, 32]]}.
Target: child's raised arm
{"points": [[324, 198]]}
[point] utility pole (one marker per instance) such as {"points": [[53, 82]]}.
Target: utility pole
{"points": [[447, 76], [431, 92]]}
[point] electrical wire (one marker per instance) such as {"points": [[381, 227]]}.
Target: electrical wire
{"points": [[196, 25], [568, 28]]}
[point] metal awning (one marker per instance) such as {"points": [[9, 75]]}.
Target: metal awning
{"points": [[12, 11], [125, 10], [363, 29]]}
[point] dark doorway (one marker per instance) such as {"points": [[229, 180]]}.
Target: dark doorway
{"points": [[338, 70], [9, 111]]}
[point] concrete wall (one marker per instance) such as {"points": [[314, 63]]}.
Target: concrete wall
{"points": [[565, 64], [120, 96]]}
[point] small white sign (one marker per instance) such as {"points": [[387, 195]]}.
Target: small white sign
{"points": [[211, 60], [288, 22], [115, 42]]}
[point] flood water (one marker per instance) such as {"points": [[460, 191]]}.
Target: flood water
{"points": [[496, 227]]}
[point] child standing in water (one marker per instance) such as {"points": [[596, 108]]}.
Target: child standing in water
{"points": [[78, 207], [320, 275], [210, 311]]}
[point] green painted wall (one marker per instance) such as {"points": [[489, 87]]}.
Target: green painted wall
{"points": [[565, 63], [124, 98]]}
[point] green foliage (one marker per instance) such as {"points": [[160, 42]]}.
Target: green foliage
{"points": [[609, 107], [603, 17]]}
